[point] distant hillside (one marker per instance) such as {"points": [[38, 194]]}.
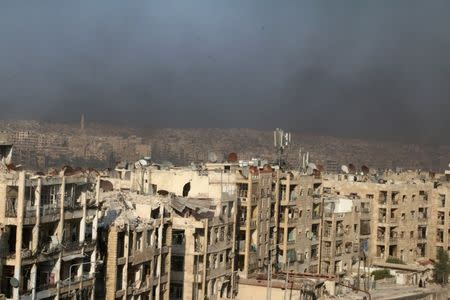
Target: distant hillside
{"points": [[182, 146]]}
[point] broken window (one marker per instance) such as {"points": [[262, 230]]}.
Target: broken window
{"points": [[11, 201], [186, 189], [139, 244], [30, 195]]}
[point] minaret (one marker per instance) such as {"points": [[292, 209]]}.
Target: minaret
{"points": [[82, 122]]}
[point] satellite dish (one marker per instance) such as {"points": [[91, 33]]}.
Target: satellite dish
{"points": [[309, 171], [14, 282], [143, 162], [312, 166], [232, 157], [344, 169], [212, 157], [352, 168], [365, 170]]}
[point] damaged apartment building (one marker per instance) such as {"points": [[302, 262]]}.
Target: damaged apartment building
{"points": [[203, 250], [48, 233], [136, 234], [408, 212], [264, 201], [204, 208]]}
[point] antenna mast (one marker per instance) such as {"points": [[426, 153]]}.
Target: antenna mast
{"points": [[281, 140]]}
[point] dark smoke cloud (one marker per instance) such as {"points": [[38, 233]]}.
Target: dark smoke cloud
{"points": [[349, 68]]}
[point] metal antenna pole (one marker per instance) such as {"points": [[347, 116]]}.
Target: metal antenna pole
{"points": [[287, 280], [269, 277]]}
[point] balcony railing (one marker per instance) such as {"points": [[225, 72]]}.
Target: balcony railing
{"points": [[46, 286], [326, 253], [393, 240], [393, 219], [49, 209]]}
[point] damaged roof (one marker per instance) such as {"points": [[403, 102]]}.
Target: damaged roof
{"points": [[119, 207]]}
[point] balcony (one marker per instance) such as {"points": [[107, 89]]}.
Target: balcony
{"points": [[422, 219], [328, 214], [421, 238], [381, 238], [290, 221], [51, 211], [327, 233], [393, 240], [245, 222], [382, 219], [26, 253], [339, 234], [30, 212], [326, 253], [71, 284], [11, 208], [71, 204], [393, 219], [70, 246], [220, 271], [46, 286]]}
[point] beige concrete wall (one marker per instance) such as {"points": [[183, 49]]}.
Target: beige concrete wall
{"points": [[209, 186], [111, 264], [253, 292]]}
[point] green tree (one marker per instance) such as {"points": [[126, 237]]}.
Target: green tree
{"points": [[441, 267]]}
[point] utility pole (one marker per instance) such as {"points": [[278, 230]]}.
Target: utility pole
{"points": [[287, 280], [269, 277]]}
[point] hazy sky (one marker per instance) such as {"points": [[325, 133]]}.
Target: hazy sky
{"points": [[378, 69]]}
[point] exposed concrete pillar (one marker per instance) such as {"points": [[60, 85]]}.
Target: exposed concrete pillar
{"points": [[159, 259], [247, 225], [37, 203], [97, 191], [61, 209], [57, 268], [205, 257], [82, 232], [127, 248], [33, 277], [19, 233], [190, 264], [111, 263]]}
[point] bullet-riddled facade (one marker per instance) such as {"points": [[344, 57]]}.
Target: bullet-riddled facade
{"points": [[138, 237], [49, 234]]}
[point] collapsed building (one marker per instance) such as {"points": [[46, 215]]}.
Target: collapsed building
{"points": [[137, 232], [203, 206]]}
